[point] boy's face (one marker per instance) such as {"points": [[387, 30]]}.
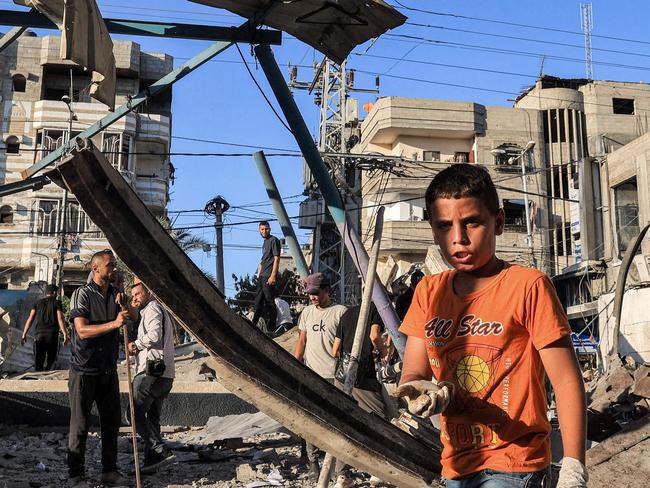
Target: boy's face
{"points": [[466, 231]]}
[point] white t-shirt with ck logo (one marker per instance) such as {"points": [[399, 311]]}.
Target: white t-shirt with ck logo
{"points": [[320, 325]]}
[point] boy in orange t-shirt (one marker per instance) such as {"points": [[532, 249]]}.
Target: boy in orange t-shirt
{"points": [[487, 331]]}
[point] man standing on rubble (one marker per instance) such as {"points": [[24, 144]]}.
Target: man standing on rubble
{"points": [[266, 277], [48, 314], [317, 325], [154, 374], [93, 370]]}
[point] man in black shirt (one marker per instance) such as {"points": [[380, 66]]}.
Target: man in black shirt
{"points": [[48, 314], [266, 277], [367, 389], [403, 301], [93, 369]]}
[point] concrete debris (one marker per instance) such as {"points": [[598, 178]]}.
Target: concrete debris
{"points": [[642, 382], [232, 427]]}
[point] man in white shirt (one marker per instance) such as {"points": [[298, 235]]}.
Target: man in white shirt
{"points": [[154, 361]]}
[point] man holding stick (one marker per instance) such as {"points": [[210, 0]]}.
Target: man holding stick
{"points": [[93, 369]]}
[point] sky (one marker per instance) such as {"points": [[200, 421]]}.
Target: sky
{"points": [[454, 50]]}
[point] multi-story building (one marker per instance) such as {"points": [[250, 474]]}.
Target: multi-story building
{"points": [[569, 227], [35, 121]]}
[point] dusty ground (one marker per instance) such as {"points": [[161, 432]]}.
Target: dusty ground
{"points": [[32, 459]]}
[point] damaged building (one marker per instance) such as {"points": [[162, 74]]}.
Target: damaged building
{"points": [[35, 122], [584, 151]]}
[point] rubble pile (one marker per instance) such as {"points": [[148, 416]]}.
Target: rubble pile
{"points": [[618, 404], [249, 451]]}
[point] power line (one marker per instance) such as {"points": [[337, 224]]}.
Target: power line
{"points": [[262, 91], [527, 39], [498, 50], [516, 24]]}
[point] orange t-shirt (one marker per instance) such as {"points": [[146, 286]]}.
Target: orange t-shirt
{"points": [[486, 344]]}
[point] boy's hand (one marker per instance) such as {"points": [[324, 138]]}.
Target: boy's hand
{"points": [[573, 474], [424, 398]]}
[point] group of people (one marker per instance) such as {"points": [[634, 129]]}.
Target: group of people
{"points": [[480, 339], [98, 311]]}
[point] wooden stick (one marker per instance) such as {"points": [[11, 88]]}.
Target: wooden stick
{"points": [[134, 433], [359, 334]]}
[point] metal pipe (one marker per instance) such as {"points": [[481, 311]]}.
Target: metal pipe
{"points": [[281, 213], [328, 189]]}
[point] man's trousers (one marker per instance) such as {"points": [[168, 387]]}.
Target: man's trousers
{"points": [[265, 302], [149, 393], [46, 349], [103, 390]]}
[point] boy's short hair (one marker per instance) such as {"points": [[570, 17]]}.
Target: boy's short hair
{"points": [[463, 180], [264, 223]]}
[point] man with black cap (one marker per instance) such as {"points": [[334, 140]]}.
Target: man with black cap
{"points": [[317, 325]]}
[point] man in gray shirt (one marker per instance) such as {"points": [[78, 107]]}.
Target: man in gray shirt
{"points": [[154, 374], [317, 324], [266, 277]]}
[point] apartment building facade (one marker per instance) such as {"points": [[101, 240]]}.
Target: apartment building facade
{"points": [[584, 179], [35, 121]]}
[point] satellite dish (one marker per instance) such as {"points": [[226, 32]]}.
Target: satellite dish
{"points": [[332, 27]]}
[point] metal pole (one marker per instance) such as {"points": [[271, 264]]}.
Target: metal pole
{"points": [[328, 189], [64, 202], [281, 213], [218, 228], [217, 207], [359, 334], [529, 232]]}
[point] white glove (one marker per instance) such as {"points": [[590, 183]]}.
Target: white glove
{"points": [[573, 474], [424, 398]]}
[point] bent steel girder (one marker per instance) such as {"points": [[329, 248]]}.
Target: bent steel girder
{"points": [[249, 364]]}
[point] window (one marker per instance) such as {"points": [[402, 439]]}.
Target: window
{"points": [[77, 221], [19, 83], [623, 106], [116, 148], [6, 215], [563, 240], [461, 157], [507, 157], [515, 211], [553, 125], [13, 145], [45, 217], [626, 201], [431, 155]]}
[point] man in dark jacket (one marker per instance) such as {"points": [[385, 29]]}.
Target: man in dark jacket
{"points": [[48, 314]]}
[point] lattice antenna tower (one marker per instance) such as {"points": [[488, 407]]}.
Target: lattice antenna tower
{"points": [[587, 27]]}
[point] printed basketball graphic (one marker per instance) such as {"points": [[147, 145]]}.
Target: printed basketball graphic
{"points": [[474, 369], [472, 373]]}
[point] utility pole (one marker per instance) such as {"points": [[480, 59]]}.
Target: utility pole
{"points": [[331, 85], [67, 99], [217, 207], [587, 27], [529, 232]]}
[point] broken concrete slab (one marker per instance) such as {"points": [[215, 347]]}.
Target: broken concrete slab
{"points": [[612, 387], [46, 403], [632, 434], [642, 381], [248, 363]]}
